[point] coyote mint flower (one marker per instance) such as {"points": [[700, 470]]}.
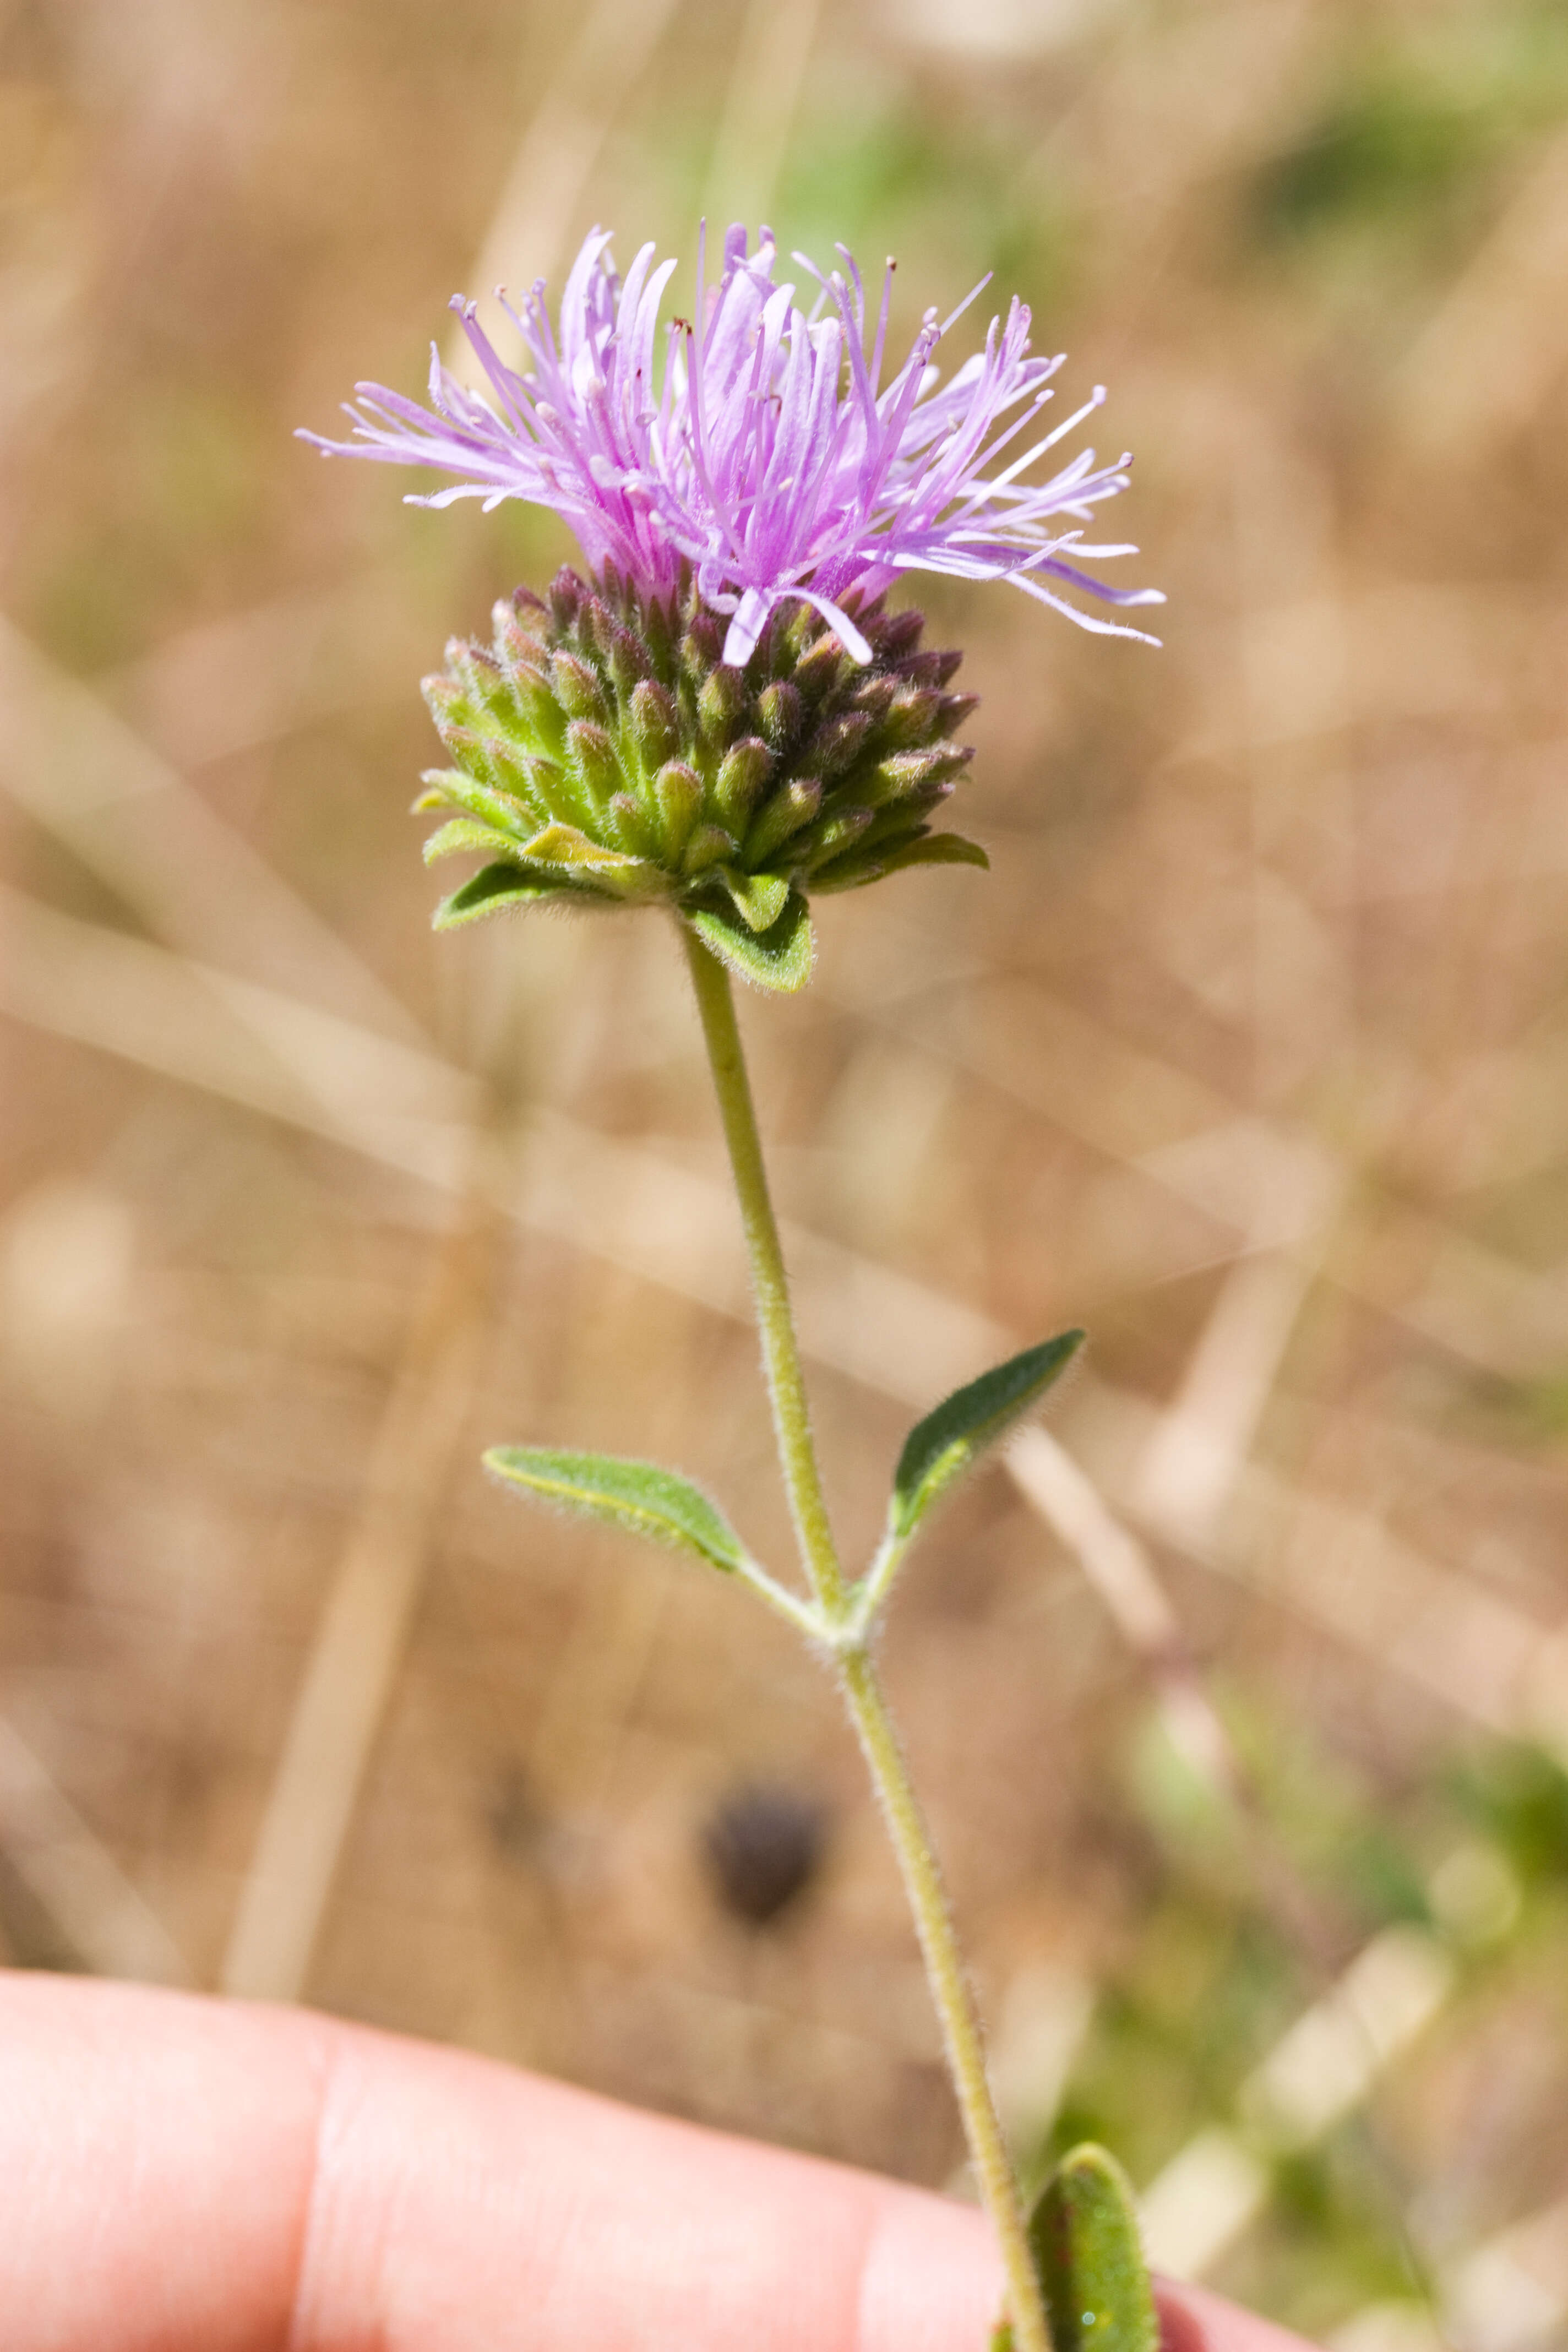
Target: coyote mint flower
{"points": [[726, 716]]}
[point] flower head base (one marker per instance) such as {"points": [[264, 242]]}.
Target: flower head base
{"points": [[768, 462], [605, 753]]}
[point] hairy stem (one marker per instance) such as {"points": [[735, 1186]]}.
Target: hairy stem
{"points": [[959, 2019], [847, 1635], [787, 1387]]}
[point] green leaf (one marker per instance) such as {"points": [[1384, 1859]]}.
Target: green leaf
{"points": [[1089, 2257], [936, 850], [463, 833], [943, 1446], [760, 898], [779, 958], [858, 866], [636, 1496], [565, 847], [495, 889], [509, 815]]}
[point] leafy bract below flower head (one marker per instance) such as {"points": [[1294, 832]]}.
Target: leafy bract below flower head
{"points": [[767, 459], [604, 752]]}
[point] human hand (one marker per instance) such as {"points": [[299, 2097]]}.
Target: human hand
{"points": [[180, 2175]]}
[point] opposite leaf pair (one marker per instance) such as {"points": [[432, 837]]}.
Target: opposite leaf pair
{"points": [[1083, 2232], [646, 1500]]}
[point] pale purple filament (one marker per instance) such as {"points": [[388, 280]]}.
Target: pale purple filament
{"points": [[772, 460]]}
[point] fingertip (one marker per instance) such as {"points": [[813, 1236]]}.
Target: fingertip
{"points": [[1193, 2320]]}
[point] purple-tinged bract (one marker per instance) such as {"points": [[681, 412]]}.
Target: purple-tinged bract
{"points": [[766, 459]]}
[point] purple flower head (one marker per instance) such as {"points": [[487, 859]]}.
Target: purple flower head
{"points": [[769, 461]]}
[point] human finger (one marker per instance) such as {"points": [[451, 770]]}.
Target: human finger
{"points": [[183, 2173]]}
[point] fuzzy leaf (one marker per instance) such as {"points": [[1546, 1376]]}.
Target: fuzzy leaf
{"points": [[504, 811], [948, 1442], [497, 887], [860, 865], [779, 958], [564, 845], [760, 897], [1089, 2257], [462, 833], [848, 874], [935, 849], [636, 1496]]}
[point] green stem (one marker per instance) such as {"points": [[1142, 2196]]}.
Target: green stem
{"points": [[787, 1387], [871, 1592], [960, 2029], [804, 1615], [846, 1630]]}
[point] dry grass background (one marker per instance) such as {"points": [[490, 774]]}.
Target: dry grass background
{"points": [[1241, 1700]]}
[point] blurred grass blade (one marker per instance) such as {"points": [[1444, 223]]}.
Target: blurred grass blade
{"points": [[948, 1442], [1083, 2234], [636, 1496]]}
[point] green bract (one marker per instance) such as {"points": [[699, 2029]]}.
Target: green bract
{"points": [[602, 754]]}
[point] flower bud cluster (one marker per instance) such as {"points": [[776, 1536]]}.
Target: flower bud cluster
{"points": [[603, 751]]}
